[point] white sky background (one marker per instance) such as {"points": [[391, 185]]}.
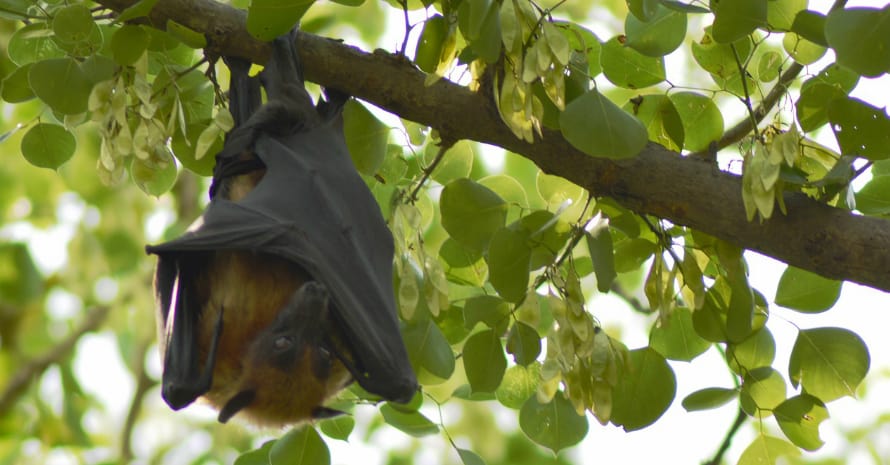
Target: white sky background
{"points": [[678, 437]]}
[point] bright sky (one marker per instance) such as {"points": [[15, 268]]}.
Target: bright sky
{"points": [[678, 437]]}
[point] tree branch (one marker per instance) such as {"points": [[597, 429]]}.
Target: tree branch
{"points": [[727, 441], [659, 182], [34, 368]]}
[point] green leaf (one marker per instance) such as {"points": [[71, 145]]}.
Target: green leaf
{"points": [[644, 10], [802, 50], [547, 234], [833, 82], [708, 398], [456, 163], [861, 39], [780, 14], [762, 390], [645, 391], [471, 213], [487, 309], [20, 280], [259, 456], [508, 263], [16, 88], [662, 121], [659, 35], [861, 129], [468, 457], [128, 44], [719, 59], [428, 349], [153, 180], [806, 291], [508, 188], [811, 26], [484, 361], [630, 254], [429, 43], [184, 149], [628, 68], [61, 84], [413, 423], [828, 362], [189, 37], [338, 427], [702, 120], [300, 446], [268, 19], [757, 351], [33, 43], [366, 137], [518, 385], [599, 245], [479, 22], [734, 19], [599, 128], [675, 338], [874, 197], [137, 10], [75, 31], [740, 312], [799, 417], [554, 425], [48, 145], [767, 450], [524, 343]]}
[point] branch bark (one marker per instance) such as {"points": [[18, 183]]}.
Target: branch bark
{"points": [[684, 190]]}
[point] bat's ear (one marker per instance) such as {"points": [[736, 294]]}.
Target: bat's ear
{"points": [[236, 404]]}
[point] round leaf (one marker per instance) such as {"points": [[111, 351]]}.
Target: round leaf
{"points": [[128, 44], [602, 254], [554, 425], [268, 19], [757, 351], [151, 179], [61, 84], [645, 391], [428, 349], [861, 129], [806, 291], [471, 213], [302, 446], [429, 43], [484, 361], [702, 120], [861, 39], [455, 164], [659, 35], [874, 197], [628, 68], [48, 145], [675, 338], [16, 88], [508, 263], [734, 19], [799, 417], [33, 43], [366, 137], [767, 450], [518, 385], [662, 121], [598, 127], [828, 362], [524, 343], [762, 390]]}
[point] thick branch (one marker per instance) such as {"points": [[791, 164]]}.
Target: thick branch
{"points": [[658, 182]]}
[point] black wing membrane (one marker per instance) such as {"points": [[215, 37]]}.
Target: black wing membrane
{"points": [[311, 208]]}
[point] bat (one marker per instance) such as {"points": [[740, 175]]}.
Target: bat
{"points": [[281, 294]]}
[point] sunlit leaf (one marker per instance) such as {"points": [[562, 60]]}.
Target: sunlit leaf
{"points": [[598, 127], [675, 338], [484, 361], [554, 425], [799, 417], [861, 38], [628, 68], [762, 390], [828, 362], [806, 291], [471, 213], [300, 446], [767, 450], [645, 391], [709, 398]]}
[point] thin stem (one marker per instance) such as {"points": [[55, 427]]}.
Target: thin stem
{"points": [[428, 171], [727, 441]]}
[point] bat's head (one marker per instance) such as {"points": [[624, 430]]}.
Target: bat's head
{"points": [[288, 370]]}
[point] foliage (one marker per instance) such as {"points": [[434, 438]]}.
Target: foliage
{"points": [[492, 280]]}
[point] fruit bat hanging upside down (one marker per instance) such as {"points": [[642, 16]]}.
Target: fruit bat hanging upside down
{"points": [[281, 294]]}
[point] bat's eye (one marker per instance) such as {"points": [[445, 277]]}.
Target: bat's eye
{"points": [[283, 343]]}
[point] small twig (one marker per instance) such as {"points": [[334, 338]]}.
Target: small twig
{"points": [[743, 73], [428, 171], [629, 298], [33, 369], [727, 441], [143, 384]]}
